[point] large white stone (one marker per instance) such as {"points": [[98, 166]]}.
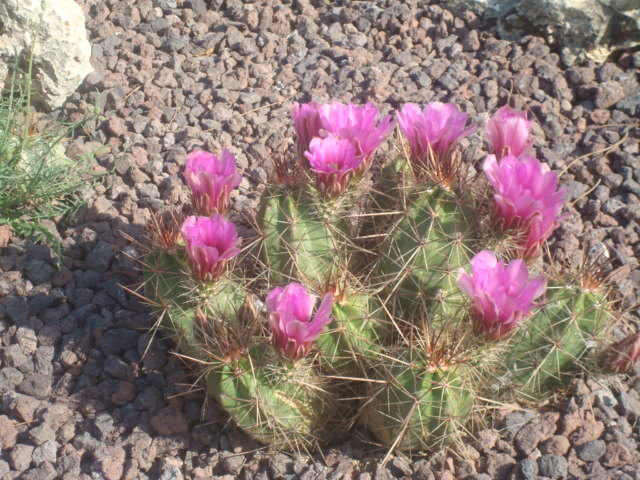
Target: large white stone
{"points": [[62, 51], [580, 28]]}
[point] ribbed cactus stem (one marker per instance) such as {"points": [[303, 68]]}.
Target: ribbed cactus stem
{"points": [[555, 343], [418, 405], [428, 245], [356, 336], [277, 401], [301, 243]]}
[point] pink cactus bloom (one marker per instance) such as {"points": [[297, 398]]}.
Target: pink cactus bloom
{"points": [[508, 132], [306, 118], [211, 179], [357, 123], [502, 296], [526, 198], [434, 130], [334, 161], [290, 318], [210, 242], [623, 355]]}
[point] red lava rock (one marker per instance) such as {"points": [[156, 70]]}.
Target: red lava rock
{"points": [[600, 116], [556, 445], [499, 465], [8, 433], [608, 94], [616, 455], [487, 440], [529, 436], [169, 421], [109, 461], [116, 126]]}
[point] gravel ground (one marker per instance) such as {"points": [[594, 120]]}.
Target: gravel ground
{"points": [[78, 397]]}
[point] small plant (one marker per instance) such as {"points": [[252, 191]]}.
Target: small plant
{"points": [[37, 179], [429, 301]]}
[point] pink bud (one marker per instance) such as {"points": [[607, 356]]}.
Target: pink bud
{"points": [[508, 132], [526, 198], [434, 130], [211, 180], [210, 242], [290, 319], [502, 296], [622, 356], [334, 161]]}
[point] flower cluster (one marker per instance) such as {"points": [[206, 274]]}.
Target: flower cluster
{"points": [[502, 295], [210, 239], [290, 308], [339, 141], [526, 195]]}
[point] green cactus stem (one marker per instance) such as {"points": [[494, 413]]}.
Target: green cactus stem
{"points": [[301, 241], [279, 402], [417, 405], [355, 337], [556, 342], [427, 246]]}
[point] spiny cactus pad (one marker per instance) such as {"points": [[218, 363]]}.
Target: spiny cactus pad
{"points": [[418, 321]]}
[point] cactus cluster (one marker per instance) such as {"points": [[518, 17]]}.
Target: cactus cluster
{"points": [[427, 304]]}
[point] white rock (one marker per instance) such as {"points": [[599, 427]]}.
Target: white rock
{"points": [[62, 51]]}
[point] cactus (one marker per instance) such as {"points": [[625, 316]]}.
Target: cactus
{"points": [[300, 240], [405, 339], [418, 405], [556, 342]]}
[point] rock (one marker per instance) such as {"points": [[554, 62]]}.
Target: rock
{"points": [[47, 452], [8, 433], [40, 434], [630, 405], [556, 445], [616, 455], [169, 421], [20, 457], [552, 466], [500, 465], [608, 93], [592, 451], [109, 461], [37, 385], [529, 436], [61, 60], [589, 29], [528, 469]]}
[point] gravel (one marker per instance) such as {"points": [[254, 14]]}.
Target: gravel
{"points": [[83, 394]]}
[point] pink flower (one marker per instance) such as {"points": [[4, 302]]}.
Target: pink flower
{"points": [[623, 355], [434, 130], [210, 180], [334, 161], [526, 198], [508, 132], [210, 242], [290, 318], [306, 118], [502, 296], [356, 123]]}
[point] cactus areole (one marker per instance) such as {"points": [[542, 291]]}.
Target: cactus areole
{"points": [[393, 300]]}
